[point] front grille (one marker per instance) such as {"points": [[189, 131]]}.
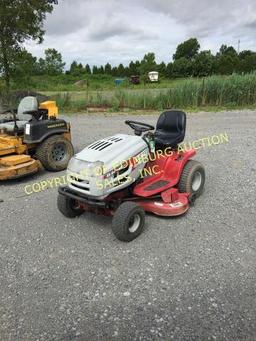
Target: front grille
{"points": [[72, 177], [80, 183], [83, 188]]}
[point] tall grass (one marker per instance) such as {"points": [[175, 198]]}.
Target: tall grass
{"points": [[229, 91]]}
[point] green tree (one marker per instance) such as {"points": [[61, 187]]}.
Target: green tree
{"points": [[148, 63], [107, 69], [19, 21], [76, 69], [88, 69], [169, 70], [95, 70], [114, 71], [182, 67], [73, 67], [188, 49], [53, 62], [227, 60], [203, 64], [40, 67], [23, 67], [227, 51], [161, 68], [247, 61], [81, 69], [133, 68], [227, 64], [246, 53], [120, 70]]}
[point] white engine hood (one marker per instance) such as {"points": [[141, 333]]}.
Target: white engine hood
{"points": [[119, 147]]}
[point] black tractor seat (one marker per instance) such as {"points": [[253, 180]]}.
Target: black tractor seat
{"points": [[170, 129]]}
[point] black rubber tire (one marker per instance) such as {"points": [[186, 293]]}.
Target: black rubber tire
{"points": [[67, 207], [191, 168], [122, 218], [44, 153]]}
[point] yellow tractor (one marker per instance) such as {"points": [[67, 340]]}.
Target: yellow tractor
{"points": [[33, 137]]}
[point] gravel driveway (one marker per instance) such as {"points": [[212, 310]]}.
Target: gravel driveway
{"points": [[186, 278]]}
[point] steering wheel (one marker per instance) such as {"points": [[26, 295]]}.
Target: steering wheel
{"points": [[139, 127]]}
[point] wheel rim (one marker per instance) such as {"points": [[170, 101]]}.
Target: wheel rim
{"points": [[197, 181], [59, 152], [74, 205], [134, 223]]}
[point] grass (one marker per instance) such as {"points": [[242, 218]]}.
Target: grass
{"points": [[216, 92], [67, 83], [196, 94]]}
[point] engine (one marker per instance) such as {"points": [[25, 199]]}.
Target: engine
{"points": [[107, 165]]}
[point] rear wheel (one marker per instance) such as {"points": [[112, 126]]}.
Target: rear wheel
{"points": [[54, 153], [68, 207], [192, 178], [128, 221]]}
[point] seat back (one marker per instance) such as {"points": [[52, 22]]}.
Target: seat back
{"points": [[28, 103], [170, 128]]}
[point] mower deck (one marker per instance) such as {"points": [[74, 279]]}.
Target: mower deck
{"points": [[167, 209], [16, 166], [169, 203], [10, 145]]}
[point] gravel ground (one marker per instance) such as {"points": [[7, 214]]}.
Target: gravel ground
{"points": [[186, 278]]}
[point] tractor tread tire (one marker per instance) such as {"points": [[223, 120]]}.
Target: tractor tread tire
{"points": [[43, 153], [185, 183], [121, 220], [65, 207]]}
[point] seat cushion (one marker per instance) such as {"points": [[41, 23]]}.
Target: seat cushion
{"points": [[28, 103], [9, 126], [171, 139], [170, 129]]}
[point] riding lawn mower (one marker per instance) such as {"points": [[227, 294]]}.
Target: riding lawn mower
{"points": [[31, 137], [125, 176]]}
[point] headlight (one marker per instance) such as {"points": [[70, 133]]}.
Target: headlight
{"points": [[27, 129], [85, 168]]}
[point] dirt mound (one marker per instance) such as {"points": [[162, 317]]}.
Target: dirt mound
{"points": [[80, 83]]}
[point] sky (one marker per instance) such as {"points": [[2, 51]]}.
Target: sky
{"points": [[118, 31]]}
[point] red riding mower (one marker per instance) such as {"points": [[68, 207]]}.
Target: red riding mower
{"points": [[124, 175]]}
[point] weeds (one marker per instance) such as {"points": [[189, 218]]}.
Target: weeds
{"points": [[215, 91]]}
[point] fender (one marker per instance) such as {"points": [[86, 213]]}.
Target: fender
{"points": [[37, 131], [170, 167]]}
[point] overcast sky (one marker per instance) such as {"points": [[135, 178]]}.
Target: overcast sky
{"points": [[101, 31]]}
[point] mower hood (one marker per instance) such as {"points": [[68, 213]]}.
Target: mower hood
{"points": [[110, 155], [112, 150]]}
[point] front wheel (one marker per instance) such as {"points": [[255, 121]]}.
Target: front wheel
{"points": [[68, 207], [192, 178], [128, 221]]}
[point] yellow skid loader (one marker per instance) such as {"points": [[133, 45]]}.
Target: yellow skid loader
{"points": [[33, 137]]}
